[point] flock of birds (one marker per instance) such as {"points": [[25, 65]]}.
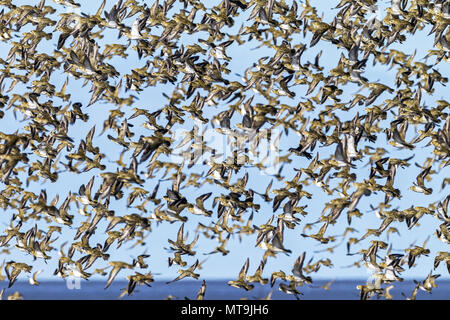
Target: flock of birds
{"points": [[42, 148]]}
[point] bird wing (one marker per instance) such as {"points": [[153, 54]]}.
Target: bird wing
{"points": [[298, 265], [36, 274], [180, 239], [243, 272], [201, 292], [194, 266], [112, 276]]}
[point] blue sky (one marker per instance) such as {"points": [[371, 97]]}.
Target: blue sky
{"points": [[217, 266]]}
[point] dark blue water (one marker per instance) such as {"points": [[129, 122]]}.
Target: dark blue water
{"points": [[216, 289]]}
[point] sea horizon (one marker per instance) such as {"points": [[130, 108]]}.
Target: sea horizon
{"points": [[342, 289]]}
